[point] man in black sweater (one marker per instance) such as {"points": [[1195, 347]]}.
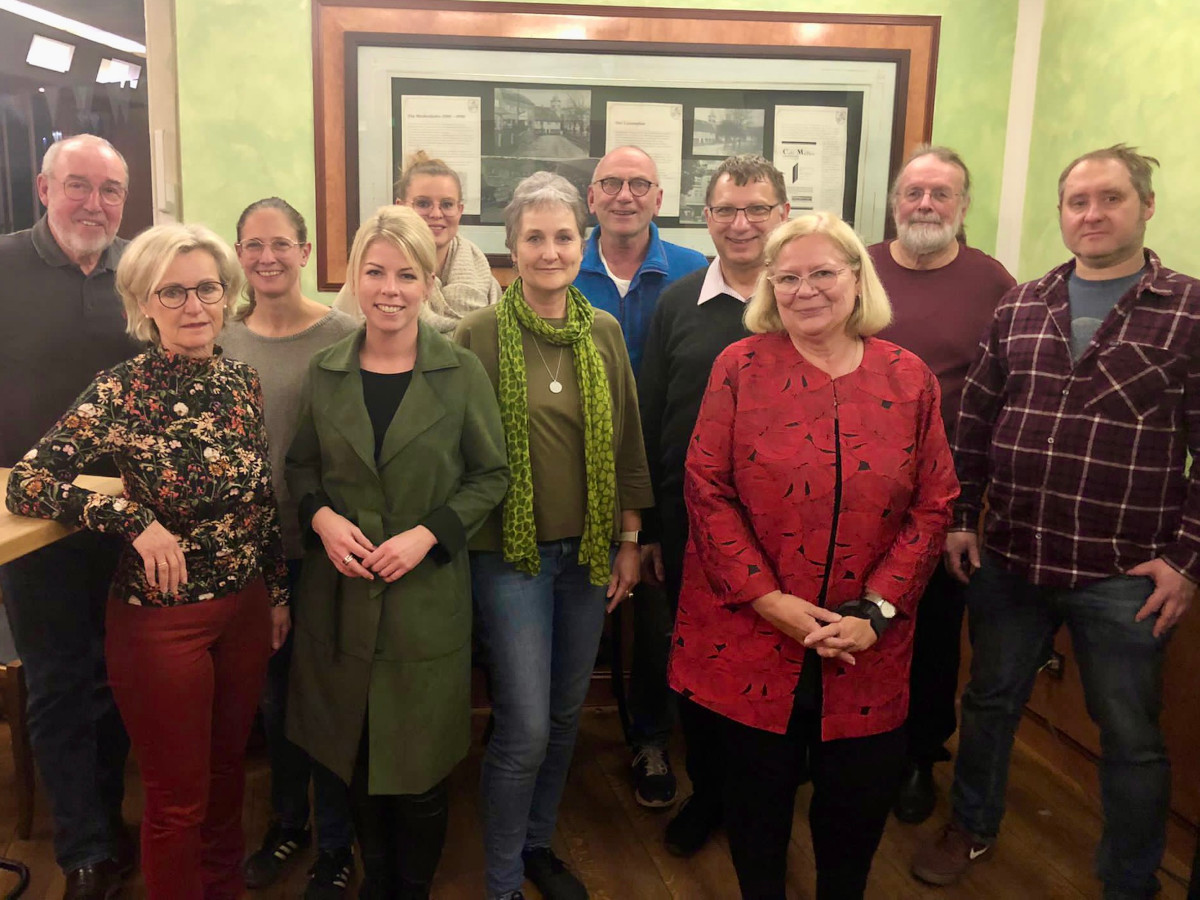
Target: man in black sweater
{"points": [[698, 317]]}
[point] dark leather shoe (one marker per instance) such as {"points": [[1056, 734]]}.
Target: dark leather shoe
{"points": [[97, 881], [918, 795], [692, 826]]}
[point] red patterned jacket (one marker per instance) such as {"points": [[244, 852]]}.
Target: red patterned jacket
{"points": [[783, 460]]}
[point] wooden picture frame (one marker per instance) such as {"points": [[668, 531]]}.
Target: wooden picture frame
{"points": [[340, 27]]}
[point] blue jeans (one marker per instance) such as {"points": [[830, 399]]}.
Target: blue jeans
{"points": [[55, 598], [291, 767], [540, 635], [1012, 625]]}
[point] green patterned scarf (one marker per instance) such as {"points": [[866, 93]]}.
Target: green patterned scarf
{"points": [[520, 533]]}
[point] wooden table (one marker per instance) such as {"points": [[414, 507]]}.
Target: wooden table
{"points": [[19, 535]]}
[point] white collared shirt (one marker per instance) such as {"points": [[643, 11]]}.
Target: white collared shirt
{"points": [[715, 284]]}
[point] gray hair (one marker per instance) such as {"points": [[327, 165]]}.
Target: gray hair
{"points": [[538, 190], [87, 140], [943, 154]]}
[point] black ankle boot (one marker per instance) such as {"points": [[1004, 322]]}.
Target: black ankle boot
{"points": [[918, 795]]}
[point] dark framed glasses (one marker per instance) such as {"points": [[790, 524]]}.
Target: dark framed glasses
{"points": [[174, 296], [759, 212], [612, 185]]}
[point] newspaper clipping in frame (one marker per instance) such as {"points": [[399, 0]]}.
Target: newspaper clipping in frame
{"points": [[810, 151], [658, 129], [447, 128]]}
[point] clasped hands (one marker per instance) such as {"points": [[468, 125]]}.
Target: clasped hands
{"points": [[833, 636], [355, 556]]}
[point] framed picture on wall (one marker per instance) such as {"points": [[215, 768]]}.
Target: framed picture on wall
{"points": [[501, 90]]}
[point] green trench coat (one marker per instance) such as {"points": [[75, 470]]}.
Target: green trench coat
{"points": [[402, 650]]}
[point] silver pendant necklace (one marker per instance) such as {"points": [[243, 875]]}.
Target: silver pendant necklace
{"points": [[555, 385]]}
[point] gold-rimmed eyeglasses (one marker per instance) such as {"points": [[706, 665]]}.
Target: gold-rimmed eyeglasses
{"points": [[279, 246], [111, 193]]}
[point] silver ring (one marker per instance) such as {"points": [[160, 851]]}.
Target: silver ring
{"points": [[630, 594], [159, 565], [347, 559]]}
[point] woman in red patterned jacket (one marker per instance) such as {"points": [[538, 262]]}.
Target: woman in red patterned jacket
{"points": [[819, 488]]}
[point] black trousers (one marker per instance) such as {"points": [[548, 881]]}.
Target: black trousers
{"points": [[400, 836], [933, 681], [854, 780]]}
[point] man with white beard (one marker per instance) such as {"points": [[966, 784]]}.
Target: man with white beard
{"points": [[943, 295], [64, 322]]}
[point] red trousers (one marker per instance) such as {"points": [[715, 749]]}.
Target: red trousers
{"points": [[187, 680]]}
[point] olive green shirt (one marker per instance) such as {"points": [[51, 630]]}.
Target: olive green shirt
{"points": [[556, 426]]}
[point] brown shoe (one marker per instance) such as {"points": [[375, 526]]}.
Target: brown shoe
{"points": [[98, 881], [944, 860]]}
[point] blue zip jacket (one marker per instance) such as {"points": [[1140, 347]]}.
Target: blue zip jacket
{"points": [[664, 263]]}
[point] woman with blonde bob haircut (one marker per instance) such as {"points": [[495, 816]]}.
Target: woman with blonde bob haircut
{"points": [[199, 598], [819, 486], [872, 309], [398, 458], [152, 253]]}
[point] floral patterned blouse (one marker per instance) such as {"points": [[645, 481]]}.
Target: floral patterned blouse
{"points": [[188, 438]]}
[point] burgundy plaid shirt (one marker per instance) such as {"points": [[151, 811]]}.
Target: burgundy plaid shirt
{"points": [[1084, 461]]}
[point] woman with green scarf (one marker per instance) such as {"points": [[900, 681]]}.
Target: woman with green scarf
{"points": [[562, 549]]}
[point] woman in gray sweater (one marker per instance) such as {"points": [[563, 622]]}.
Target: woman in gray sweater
{"points": [[277, 330]]}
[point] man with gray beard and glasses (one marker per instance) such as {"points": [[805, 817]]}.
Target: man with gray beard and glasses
{"points": [[943, 295], [63, 322]]}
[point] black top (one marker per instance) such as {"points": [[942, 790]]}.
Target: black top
{"points": [[684, 340], [61, 328], [382, 395]]}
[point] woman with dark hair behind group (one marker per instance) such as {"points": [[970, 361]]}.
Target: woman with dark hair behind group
{"points": [[544, 569], [819, 486], [277, 330]]}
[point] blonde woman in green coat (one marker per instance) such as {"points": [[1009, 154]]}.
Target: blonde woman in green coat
{"points": [[398, 458]]}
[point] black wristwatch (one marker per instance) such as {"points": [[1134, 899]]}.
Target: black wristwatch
{"points": [[871, 607]]}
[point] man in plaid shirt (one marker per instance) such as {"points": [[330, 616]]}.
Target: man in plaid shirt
{"points": [[1077, 419]]}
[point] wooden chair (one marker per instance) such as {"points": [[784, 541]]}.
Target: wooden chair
{"points": [[13, 697]]}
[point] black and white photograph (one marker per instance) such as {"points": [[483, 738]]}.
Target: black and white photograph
{"points": [[546, 124], [501, 174], [724, 132], [693, 184]]}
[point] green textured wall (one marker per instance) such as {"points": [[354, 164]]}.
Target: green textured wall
{"points": [[245, 98], [1114, 71]]}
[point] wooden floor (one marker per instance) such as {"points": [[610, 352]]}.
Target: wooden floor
{"points": [[616, 846]]}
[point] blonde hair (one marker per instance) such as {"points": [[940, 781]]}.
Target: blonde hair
{"points": [[151, 253], [401, 227], [420, 163], [872, 311]]}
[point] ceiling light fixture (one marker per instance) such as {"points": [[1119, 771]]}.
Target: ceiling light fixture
{"points": [[47, 53], [117, 71], [72, 26]]}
